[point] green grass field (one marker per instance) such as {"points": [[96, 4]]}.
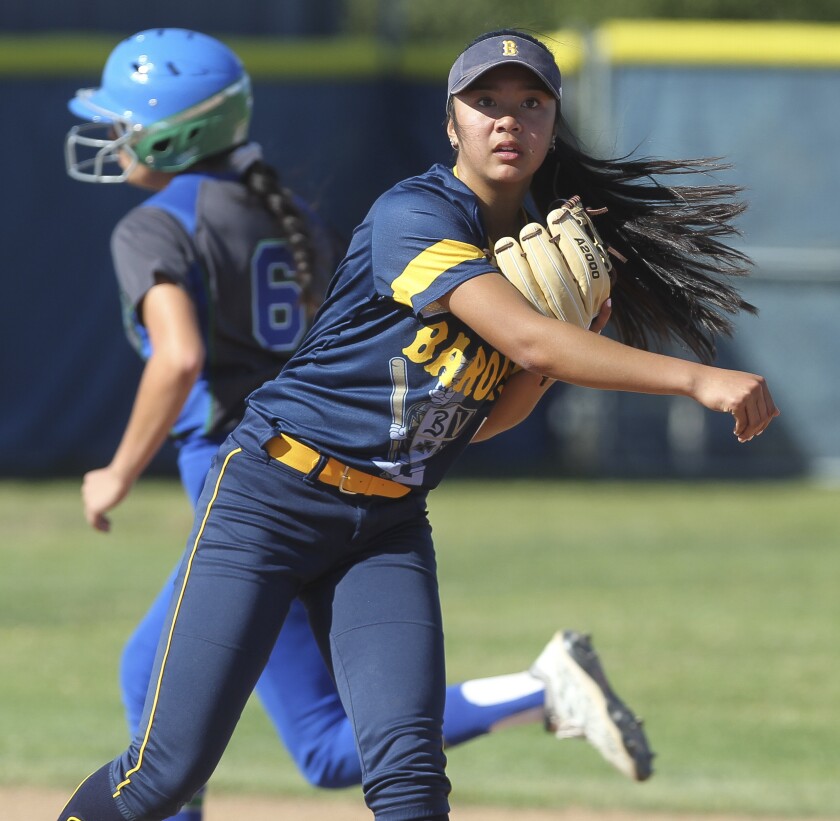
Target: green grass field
{"points": [[714, 606]]}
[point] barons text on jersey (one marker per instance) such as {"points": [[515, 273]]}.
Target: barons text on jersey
{"points": [[420, 381]]}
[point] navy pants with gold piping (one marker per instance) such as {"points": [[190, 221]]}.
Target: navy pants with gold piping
{"points": [[364, 566]]}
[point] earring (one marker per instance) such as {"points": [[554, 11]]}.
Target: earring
{"points": [[453, 144], [552, 146]]}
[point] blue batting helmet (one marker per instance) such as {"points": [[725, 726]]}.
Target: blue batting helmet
{"points": [[168, 98]]}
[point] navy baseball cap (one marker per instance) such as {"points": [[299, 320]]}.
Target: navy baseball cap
{"points": [[504, 49]]}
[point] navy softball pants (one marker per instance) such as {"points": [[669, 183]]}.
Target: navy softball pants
{"points": [[364, 567], [295, 689]]}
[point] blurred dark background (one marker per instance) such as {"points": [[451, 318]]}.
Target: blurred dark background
{"points": [[760, 92]]}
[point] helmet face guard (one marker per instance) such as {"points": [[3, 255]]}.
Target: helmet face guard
{"points": [[92, 152], [169, 98]]}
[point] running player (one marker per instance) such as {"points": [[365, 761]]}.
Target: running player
{"points": [[219, 272]]}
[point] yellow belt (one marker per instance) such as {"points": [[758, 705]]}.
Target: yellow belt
{"points": [[348, 480]]}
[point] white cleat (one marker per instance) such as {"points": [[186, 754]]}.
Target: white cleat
{"points": [[579, 703]]}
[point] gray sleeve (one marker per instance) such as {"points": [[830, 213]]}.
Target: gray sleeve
{"points": [[147, 244]]}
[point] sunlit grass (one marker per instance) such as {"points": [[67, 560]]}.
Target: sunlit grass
{"points": [[714, 607]]}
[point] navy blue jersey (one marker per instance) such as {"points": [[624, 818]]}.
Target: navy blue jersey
{"points": [[206, 233], [386, 381]]}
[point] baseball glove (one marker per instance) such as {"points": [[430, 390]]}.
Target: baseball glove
{"points": [[562, 270]]}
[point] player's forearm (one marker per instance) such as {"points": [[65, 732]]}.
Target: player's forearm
{"points": [[160, 397], [520, 396], [560, 350], [570, 354], [495, 310]]}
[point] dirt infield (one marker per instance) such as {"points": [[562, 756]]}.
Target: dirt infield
{"points": [[29, 804]]}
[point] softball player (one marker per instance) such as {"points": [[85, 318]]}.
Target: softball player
{"points": [[320, 492], [219, 272]]}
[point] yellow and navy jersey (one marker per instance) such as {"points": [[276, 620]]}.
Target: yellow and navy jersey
{"points": [[386, 381], [206, 233]]}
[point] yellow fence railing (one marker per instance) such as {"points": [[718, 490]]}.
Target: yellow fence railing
{"points": [[619, 42], [708, 42], [334, 59]]}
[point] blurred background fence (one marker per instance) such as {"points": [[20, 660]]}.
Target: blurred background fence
{"points": [[350, 99]]}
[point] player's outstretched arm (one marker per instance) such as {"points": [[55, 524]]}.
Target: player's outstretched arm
{"points": [[168, 376], [559, 350]]}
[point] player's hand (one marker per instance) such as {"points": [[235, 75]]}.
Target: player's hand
{"points": [[600, 321], [102, 490], [744, 395]]}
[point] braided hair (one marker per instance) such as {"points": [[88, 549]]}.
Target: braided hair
{"points": [[673, 280], [262, 180]]}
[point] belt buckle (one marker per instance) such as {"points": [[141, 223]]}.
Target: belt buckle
{"points": [[344, 477]]}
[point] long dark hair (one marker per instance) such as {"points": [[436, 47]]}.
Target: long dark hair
{"points": [[676, 281], [262, 180]]}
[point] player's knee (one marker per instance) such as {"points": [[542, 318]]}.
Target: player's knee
{"points": [[132, 685], [328, 770], [135, 667], [134, 682]]}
